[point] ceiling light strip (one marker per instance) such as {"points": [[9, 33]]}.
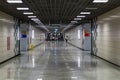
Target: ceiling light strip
{"points": [[85, 13], [81, 16], [14, 1], [27, 13], [100, 1], [32, 16], [77, 18], [74, 22], [35, 19], [22, 8]]}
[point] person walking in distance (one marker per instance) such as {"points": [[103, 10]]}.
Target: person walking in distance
{"points": [[66, 38]]}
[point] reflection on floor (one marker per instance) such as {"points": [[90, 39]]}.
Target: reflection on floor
{"points": [[57, 61]]}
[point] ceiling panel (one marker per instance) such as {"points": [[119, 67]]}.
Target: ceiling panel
{"points": [[58, 11]]}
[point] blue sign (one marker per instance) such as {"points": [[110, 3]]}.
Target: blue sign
{"points": [[55, 30], [23, 36]]}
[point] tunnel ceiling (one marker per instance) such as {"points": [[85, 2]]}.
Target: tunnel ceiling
{"points": [[58, 11]]}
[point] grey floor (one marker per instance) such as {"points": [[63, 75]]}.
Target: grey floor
{"points": [[57, 61]]}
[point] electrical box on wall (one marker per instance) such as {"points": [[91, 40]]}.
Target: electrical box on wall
{"points": [[8, 43]]}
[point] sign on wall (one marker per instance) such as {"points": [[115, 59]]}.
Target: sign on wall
{"points": [[23, 34], [86, 33], [8, 43]]}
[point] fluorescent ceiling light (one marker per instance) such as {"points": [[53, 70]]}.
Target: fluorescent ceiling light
{"points": [[38, 22], [85, 13], [77, 19], [40, 79], [100, 1], [74, 22], [35, 19], [22, 8], [14, 1], [81, 16], [31, 16], [91, 8], [74, 77], [28, 13]]}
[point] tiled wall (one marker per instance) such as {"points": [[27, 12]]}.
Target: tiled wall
{"points": [[7, 41], [39, 35], [34, 36], [79, 39], [108, 38], [73, 36]]}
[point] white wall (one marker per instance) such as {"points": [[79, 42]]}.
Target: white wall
{"points": [[6, 30], [73, 36], [85, 41], [36, 37], [108, 38]]}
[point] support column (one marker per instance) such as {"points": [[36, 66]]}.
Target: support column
{"points": [[17, 36], [93, 36]]}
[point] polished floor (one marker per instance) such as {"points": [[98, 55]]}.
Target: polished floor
{"points": [[57, 61]]}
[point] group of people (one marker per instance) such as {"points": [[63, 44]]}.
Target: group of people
{"points": [[56, 37]]}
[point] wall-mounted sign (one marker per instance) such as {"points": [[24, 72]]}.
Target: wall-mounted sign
{"points": [[86, 33], [23, 34], [8, 43]]}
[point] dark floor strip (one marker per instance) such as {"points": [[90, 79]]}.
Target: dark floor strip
{"points": [[76, 46], [10, 58], [19, 54], [107, 61]]}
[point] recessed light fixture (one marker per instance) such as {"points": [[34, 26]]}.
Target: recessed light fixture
{"points": [[32, 16], [22, 8], [38, 22], [40, 79], [74, 77], [85, 13], [28, 13], [14, 1], [35, 19], [77, 19], [91, 8], [100, 1], [81, 16], [74, 22]]}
